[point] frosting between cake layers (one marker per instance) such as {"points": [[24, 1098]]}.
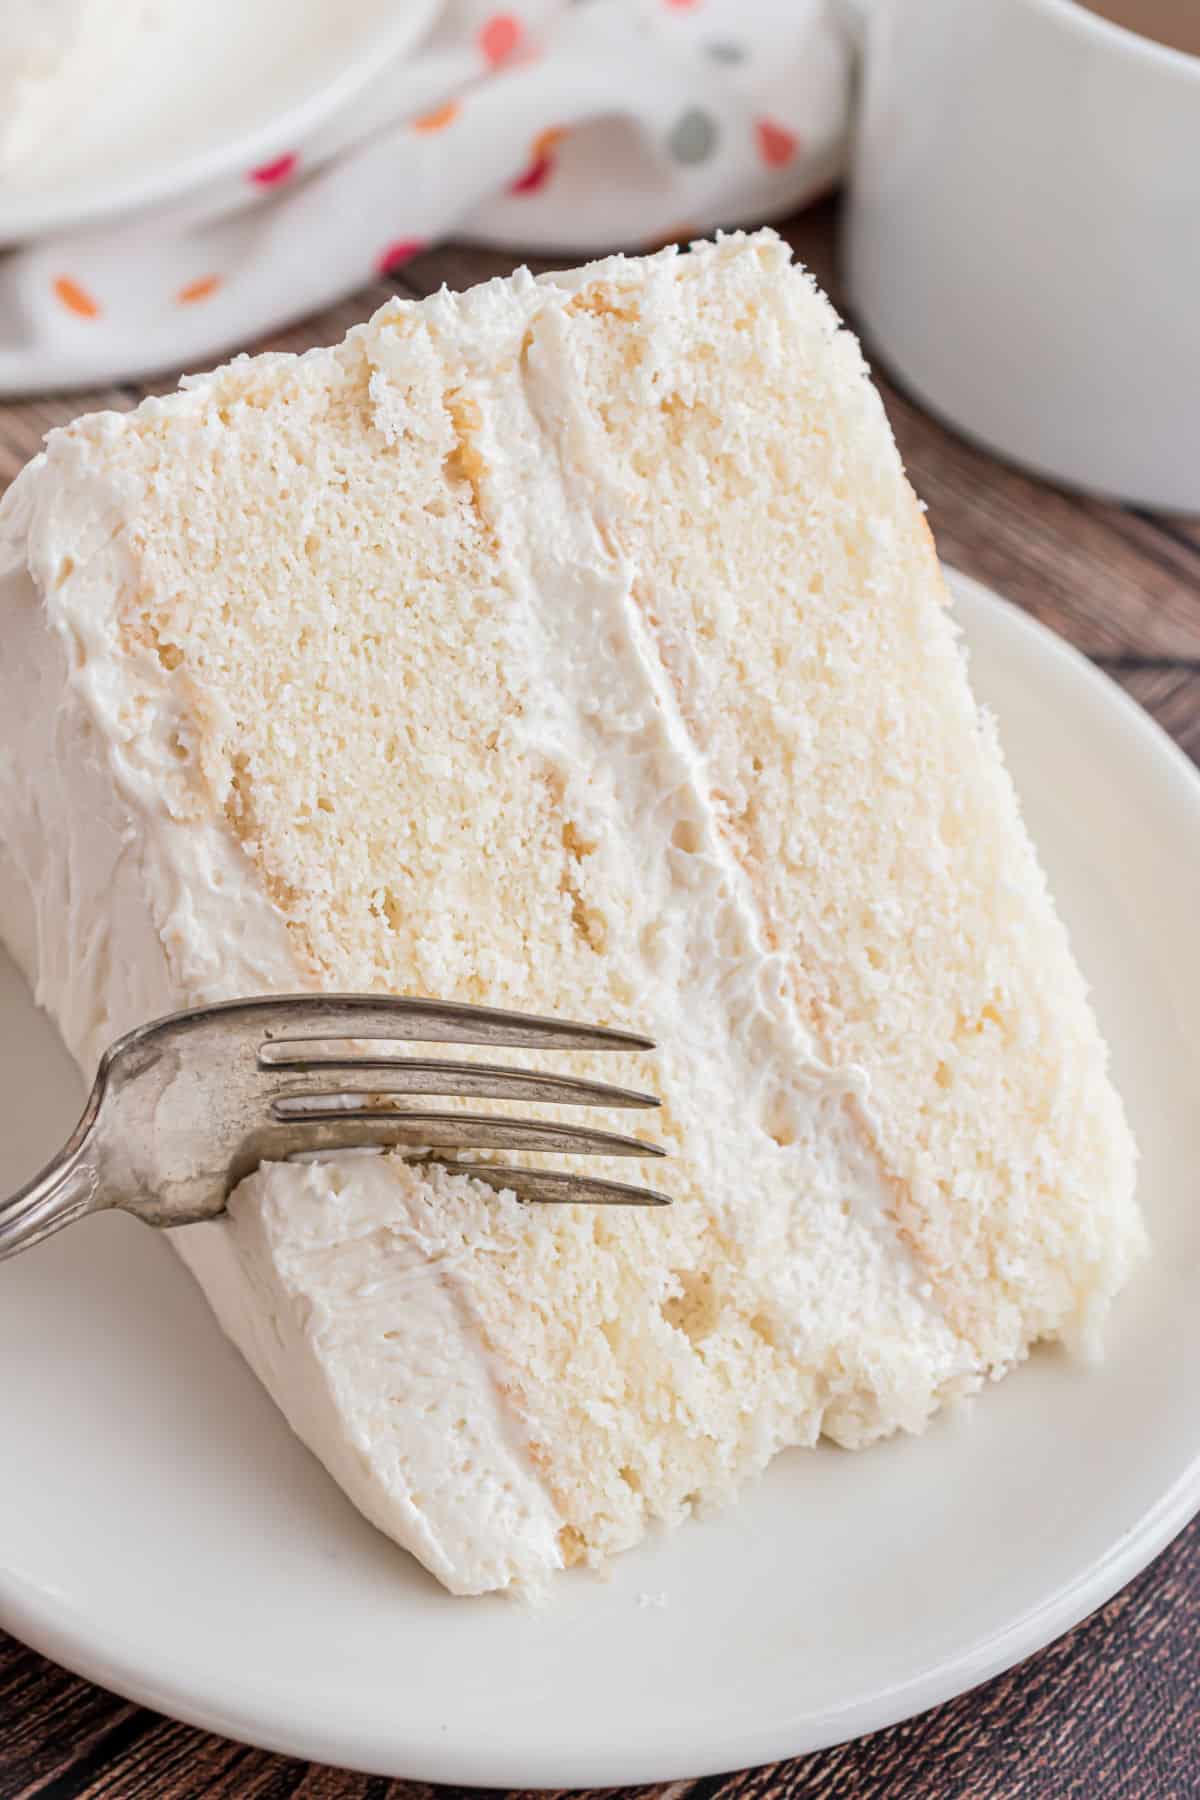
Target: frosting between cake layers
{"points": [[600, 712], [608, 673]]}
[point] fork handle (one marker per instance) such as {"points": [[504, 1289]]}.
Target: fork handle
{"points": [[67, 1189]]}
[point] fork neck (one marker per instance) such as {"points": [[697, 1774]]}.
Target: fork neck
{"points": [[67, 1189]]}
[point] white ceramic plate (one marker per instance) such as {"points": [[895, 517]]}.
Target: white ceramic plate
{"points": [[208, 90], [161, 1532]]}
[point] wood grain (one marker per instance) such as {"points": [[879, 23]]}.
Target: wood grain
{"points": [[1112, 1711]]}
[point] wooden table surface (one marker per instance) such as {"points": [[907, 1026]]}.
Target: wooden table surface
{"points": [[1113, 1710]]}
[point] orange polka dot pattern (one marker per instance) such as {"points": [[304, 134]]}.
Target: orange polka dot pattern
{"points": [[75, 298], [203, 289], [438, 119]]}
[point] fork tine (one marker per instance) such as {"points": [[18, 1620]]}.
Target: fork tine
{"points": [[305, 1079], [354, 1127], [301, 1018], [560, 1186]]}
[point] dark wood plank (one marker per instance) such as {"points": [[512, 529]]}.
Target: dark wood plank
{"points": [[1112, 1712], [48, 1720], [1182, 526]]}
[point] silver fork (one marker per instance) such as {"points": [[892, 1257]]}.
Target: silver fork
{"points": [[183, 1109]]}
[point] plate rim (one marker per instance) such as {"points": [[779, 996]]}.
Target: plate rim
{"points": [[54, 1630], [86, 205]]}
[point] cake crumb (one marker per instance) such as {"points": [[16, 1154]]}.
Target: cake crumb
{"points": [[656, 1600]]}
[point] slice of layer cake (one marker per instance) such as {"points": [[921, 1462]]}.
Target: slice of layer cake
{"points": [[577, 646]]}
